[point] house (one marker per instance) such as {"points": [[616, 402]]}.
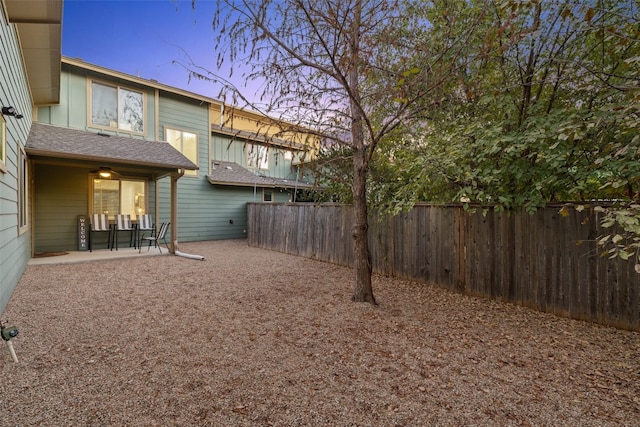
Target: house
{"points": [[94, 140], [107, 120], [29, 76]]}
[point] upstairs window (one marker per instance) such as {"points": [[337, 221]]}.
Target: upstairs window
{"points": [[186, 143], [117, 108], [257, 157]]}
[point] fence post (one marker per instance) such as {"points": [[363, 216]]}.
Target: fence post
{"points": [[459, 247]]}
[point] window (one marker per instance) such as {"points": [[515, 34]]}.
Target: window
{"points": [[186, 143], [119, 196], [267, 196], [117, 108], [23, 181], [257, 157], [3, 145]]}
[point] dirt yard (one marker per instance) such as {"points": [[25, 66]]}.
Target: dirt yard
{"points": [[250, 337]]}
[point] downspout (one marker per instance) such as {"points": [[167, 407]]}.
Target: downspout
{"points": [[156, 137], [295, 189]]}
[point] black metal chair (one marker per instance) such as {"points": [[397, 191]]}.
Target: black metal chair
{"points": [[99, 224], [156, 237], [123, 223], [144, 223]]}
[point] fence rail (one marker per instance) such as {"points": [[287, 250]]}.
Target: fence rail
{"points": [[544, 261]]}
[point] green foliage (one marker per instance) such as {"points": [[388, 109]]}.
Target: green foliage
{"points": [[545, 109], [624, 219]]}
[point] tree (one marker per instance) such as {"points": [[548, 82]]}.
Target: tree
{"points": [[353, 72], [551, 114]]}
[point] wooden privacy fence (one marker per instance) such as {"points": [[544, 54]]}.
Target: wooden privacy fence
{"points": [[545, 261]]}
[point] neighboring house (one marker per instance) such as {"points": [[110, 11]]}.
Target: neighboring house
{"points": [[107, 119], [29, 76]]}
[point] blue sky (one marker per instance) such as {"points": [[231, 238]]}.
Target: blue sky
{"points": [[143, 38]]}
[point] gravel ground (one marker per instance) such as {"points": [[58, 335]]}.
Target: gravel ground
{"points": [[250, 337]]}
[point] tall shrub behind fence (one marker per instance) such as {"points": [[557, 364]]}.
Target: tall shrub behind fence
{"points": [[544, 261]]}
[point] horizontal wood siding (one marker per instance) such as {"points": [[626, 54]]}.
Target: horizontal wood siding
{"points": [[15, 245], [545, 261]]}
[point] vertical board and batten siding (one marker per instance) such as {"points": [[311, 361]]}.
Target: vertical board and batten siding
{"points": [[205, 211], [544, 261], [15, 246], [227, 149], [194, 205], [60, 195]]}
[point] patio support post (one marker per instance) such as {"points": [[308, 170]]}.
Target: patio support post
{"points": [[174, 210]]}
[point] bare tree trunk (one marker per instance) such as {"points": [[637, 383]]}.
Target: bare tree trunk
{"points": [[363, 290]]}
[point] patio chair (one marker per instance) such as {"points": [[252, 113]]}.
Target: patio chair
{"points": [[99, 224], [143, 223], [156, 237], [123, 223]]}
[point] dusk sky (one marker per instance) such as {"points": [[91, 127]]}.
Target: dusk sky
{"points": [[143, 38]]}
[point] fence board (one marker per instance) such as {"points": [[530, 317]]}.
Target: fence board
{"points": [[545, 261]]}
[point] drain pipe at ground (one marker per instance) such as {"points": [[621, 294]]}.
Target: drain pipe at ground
{"points": [[191, 256]]}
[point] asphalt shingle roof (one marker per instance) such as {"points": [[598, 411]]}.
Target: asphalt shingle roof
{"points": [[58, 142], [231, 173]]}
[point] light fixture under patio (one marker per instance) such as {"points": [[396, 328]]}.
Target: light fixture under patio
{"points": [[105, 172]]}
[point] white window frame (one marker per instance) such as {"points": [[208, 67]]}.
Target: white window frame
{"points": [[116, 125], [167, 129], [257, 156]]}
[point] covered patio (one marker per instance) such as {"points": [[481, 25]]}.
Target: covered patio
{"points": [[66, 168], [72, 257]]}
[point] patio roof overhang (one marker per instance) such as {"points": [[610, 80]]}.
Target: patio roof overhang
{"points": [[232, 174], [53, 144], [39, 25]]}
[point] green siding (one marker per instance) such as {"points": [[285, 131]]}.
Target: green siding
{"points": [[225, 148], [194, 204], [61, 194], [73, 109], [15, 247], [205, 211]]}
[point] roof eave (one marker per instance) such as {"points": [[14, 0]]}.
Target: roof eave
{"points": [[39, 27], [239, 184], [89, 158]]}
